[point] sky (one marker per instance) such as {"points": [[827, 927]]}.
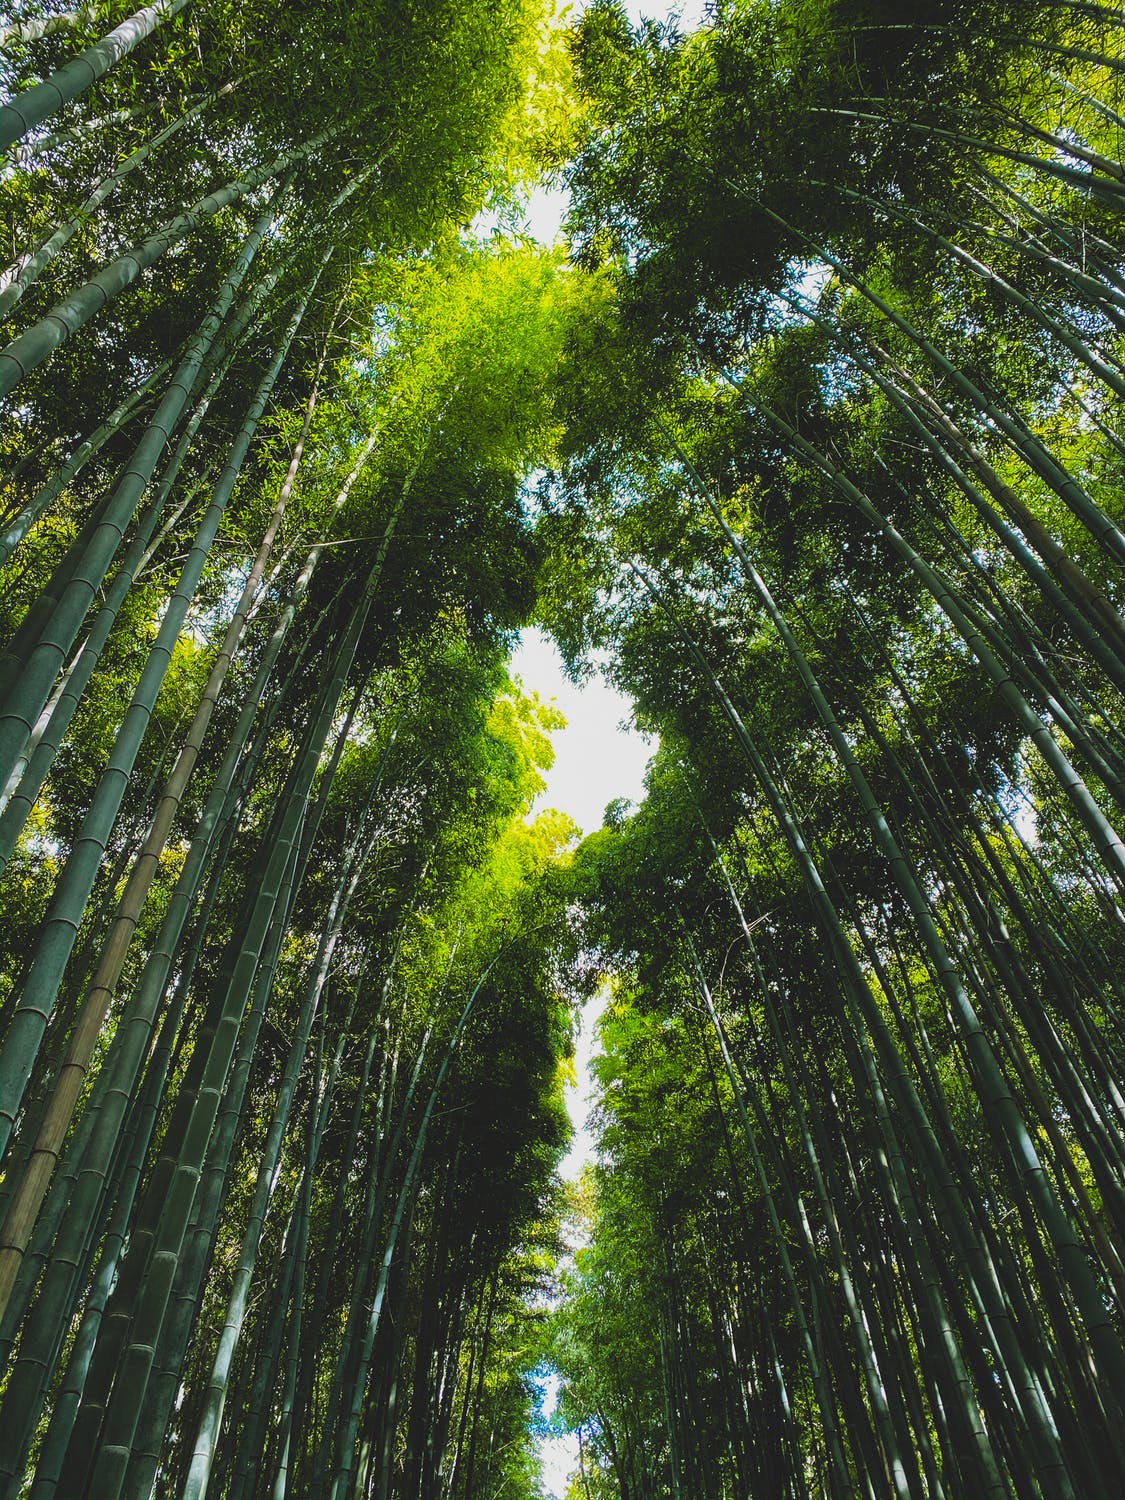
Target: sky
{"points": [[558, 1457], [599, 757]]}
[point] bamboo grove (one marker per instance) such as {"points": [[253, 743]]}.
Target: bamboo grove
{"points": [[811, 439]]}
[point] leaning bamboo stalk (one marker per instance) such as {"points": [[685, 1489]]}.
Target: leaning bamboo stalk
{"points": [[203, 1453], [992, 1303], [290, 1329], [1081, 348], [1023, 441], [1058, 1063], [37, 757], [19, 1219], [91, 1175], [403, 1213], [22, 523], [65, 1400], [1087, 1095], [93, 550], [26, 699], [30, 268], [33, 630], [898, 1443], [32, 347], [175, 1332], [22, 32], [148, 1441], [1106, 839], [817, 1372], [1070, 576], [1086, 247], [136, 1022], [34, 105], [1105, 1343], [53, 721], [83, 130], [153, 1255], [133, 1370]]}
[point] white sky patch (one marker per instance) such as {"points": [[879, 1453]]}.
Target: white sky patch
{"points": [[558, 1456], [545, 210], [599, 756], [688, 14], [558, 1459], [580, 1094], [542, 217]]}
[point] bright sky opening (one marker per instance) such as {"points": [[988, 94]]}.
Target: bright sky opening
{"points": [[599, 756]]}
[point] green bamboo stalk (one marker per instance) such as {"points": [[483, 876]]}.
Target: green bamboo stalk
{"points": [[23, 32], [38, 756], [403, 1211], [133, 1370], [65, 1400], [1080, 348], [33, 265], [210, 373], [114, 1085], [996, 1092], [174, 1339], [1029, 448], [34, 105], [1085, 608], [280, 1489], [117, 1184], [1088, 248], [20, 1214], [903, 1484], [32, 347], [60, 928], [87, 449], [1105, 838], [983, 1282], [196, 1483], [26, 699]]}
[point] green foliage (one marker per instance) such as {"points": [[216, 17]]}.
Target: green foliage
{"points": [[812, 445]]}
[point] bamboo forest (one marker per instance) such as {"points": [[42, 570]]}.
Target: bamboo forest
{"points": [[802, 434]]}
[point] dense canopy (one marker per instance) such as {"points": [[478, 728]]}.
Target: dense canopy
{"points": [[809, 438]]}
